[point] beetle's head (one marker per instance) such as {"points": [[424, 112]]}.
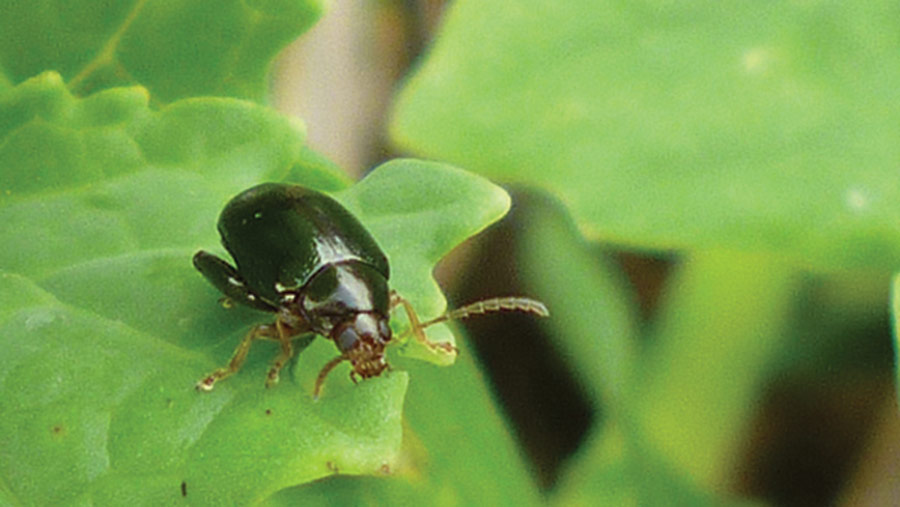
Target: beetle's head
{"points": [[362, 340]]}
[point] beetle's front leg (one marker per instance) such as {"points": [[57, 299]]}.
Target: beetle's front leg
{"points": [[240, 355], [324, 373], [416, 327]]}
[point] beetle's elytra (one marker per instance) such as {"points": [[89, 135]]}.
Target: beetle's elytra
{"points": [[300, 255]]}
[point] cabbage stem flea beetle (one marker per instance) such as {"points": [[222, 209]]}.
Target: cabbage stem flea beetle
{"points": [[303, 257]]}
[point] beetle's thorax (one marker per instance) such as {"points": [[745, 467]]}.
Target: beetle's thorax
{"points": [[336, 294], [348, 303]]}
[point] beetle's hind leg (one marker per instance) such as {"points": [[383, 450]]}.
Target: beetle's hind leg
{"points": [[417, 328], [262, 331]]}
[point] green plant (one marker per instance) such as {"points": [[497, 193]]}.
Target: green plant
{"points": [[120, 141], [753, 139], [757, 141]]}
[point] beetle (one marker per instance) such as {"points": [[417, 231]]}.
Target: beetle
{"points": [[303, 257]]}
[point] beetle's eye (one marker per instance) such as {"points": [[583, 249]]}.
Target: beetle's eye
{"points": [[366, 325], [348, 338]]}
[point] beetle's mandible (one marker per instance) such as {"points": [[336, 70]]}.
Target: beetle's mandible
{"points": [[300, 255]]}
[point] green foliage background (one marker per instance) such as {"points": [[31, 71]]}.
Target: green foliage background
{"points": [[757, 140]]}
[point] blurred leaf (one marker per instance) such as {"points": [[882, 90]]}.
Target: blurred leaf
{"points": [[838, 326], [739, 125], [724, 322], [311, 163], [895, 317], [593, 322], [612, 468], [592, 314], [106, 327], [691, 395], [456, 450], [175, 48]]}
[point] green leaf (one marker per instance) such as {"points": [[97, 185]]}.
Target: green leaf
{"points": [[175, 48], [613, 468], [895, 323], [106, 327], [745, 126], [450, 421], [593, 321], [110, 412], [330, 177], [725, 321], [593, 324]]}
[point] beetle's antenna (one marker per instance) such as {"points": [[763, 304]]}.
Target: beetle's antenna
{"points": [[504, 304], [324, 373]]}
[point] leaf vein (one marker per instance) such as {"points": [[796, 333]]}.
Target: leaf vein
{"points": [[106, 55]]}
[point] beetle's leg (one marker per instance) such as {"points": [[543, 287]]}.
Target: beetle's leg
{"points": [[229, 282], [417, 328], [285, 337], [239, 356], [324, 373]]}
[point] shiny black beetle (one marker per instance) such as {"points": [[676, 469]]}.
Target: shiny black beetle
{"points": [[302, 256]]}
